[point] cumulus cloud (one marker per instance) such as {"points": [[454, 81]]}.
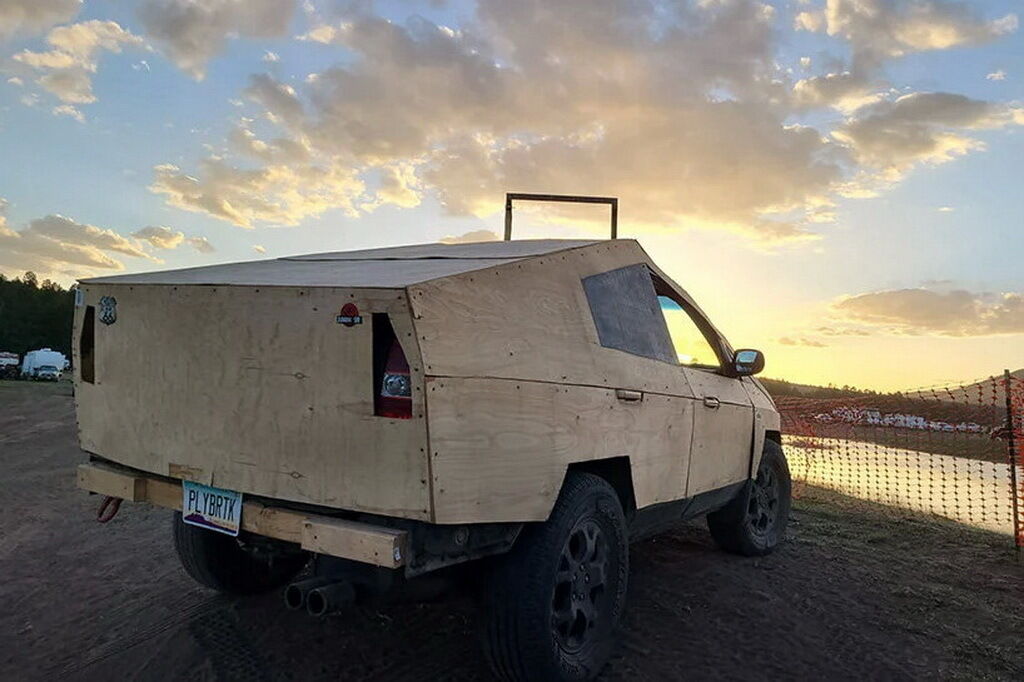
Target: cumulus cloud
{"points": [[844, 91], [191, 33], [923, 311], [277, 194], [31, 17], [66, 70], [626, 107], [59, 245], [201, 244], [677, 108], [68, 110], [999, 75], [160, 237], [920, 127], [470, 237], [879, 29]]}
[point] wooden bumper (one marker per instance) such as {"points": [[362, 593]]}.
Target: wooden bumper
{"points": [[377, 545]]}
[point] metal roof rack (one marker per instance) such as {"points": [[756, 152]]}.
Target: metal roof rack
{"points": [[566, 198]]}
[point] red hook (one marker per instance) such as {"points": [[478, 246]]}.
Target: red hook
{"points": [[109, 508]]}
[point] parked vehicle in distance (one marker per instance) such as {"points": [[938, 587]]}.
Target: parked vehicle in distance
{"points": [[391, 421], [8, 365], [35, 359], [47, 373]]}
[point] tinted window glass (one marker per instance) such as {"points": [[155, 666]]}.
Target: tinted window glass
{"points": [[626, 313]]}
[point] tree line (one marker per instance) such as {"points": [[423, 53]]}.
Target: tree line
{"points": [[35, 314]]}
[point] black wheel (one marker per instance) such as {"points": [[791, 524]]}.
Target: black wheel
{"points": [[554, 602], [754, 522], [231, 565]]}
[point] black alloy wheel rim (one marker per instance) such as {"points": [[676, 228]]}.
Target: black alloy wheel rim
{"points": [[580, 598], [763, 505]]}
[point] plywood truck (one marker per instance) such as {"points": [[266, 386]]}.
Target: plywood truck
{"points": [[360, 425]]}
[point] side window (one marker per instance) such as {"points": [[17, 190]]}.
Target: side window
{"points": [[626, 313], [691, 346]]}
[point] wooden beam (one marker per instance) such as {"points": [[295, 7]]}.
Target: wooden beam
{"points": [[377, 545], [357, 541]]}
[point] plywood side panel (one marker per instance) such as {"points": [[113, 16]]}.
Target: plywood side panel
{"points": [[531, 320], [257, 390], [500, 448]]}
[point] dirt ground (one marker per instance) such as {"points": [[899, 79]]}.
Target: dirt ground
{"points": [[857, 592]]}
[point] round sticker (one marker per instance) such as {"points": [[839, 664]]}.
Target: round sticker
{"points": [[349, 315]]}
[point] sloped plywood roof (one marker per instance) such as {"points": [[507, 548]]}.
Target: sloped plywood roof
{"points": [[378, 268]]}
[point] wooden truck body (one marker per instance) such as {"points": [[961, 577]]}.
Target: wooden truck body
{"points": [[526, 359]]}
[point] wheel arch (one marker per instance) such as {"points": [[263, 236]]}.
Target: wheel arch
{"points": [[617, 471]]}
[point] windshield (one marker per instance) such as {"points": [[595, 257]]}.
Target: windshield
{"points": [[47, 368]]}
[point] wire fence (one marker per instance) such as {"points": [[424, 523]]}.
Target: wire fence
{"points": [[956, 451]]}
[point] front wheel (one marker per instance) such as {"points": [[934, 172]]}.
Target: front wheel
{"points": [[554, 602], [754, 522], [226, 564]]}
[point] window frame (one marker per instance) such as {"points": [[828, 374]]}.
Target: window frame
{"points": [[715, 340]]}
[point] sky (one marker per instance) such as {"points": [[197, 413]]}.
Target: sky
{"points": [[836, 182]]}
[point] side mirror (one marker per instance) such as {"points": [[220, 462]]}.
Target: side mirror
{"points": [[747, 362]]}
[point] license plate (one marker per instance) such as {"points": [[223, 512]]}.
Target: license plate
{"points": [[213, 508]]}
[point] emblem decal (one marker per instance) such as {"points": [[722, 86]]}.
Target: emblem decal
{"points": [[108, 309], [349, 315]]}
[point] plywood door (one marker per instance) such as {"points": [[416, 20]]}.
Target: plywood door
{"points": [[723, 425]]}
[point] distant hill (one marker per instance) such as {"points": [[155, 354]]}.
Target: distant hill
{"points": [[782, 388], [983, 392]]}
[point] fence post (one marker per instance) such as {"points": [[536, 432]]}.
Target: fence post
{"points": [[1011, 453]]}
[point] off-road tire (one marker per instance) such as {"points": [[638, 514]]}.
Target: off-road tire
{"points": [[220, 562], [754, 522], [549, 581]]}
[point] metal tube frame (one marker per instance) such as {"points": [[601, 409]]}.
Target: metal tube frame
{"points": [[565, 198]]}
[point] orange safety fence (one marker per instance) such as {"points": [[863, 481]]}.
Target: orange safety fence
{"points": [[955, 451]]}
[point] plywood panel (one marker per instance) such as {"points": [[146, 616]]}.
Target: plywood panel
{"points": [[500, 448], [257, 390], [531, 320], [722, 436]]}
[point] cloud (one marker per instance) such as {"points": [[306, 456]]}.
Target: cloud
{"points": [[676, 108], [844, 91], [68, 110], [470, 237], [631, 105], [192, 33], [945, 209], [31, 17], [922, 311], [999, 75], [160, 237], [276, 194], [880, 29], [801, 341], [259, 248], [67, 69], [271, 57], [921, 127], [201, 244], [59, 246]]}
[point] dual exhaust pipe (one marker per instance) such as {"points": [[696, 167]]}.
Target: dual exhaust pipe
{"points": [[320, 596]]}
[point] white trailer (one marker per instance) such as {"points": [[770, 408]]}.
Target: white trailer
{"points": [[34, 359]]}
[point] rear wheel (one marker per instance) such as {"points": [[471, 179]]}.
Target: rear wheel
{"points": [[754, 522], [554, 602], [228, 564]]}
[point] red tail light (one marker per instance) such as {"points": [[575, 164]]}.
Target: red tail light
{"points": [[394, 396]]}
